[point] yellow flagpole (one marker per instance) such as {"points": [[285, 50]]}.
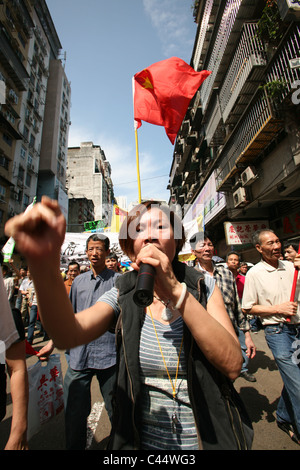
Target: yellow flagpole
{"points": [[138, 165], [137, 150]]}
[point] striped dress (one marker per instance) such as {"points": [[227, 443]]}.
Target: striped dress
{"points": [[157, 394], [157, 400]]}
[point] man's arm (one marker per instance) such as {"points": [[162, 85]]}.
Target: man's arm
{"points": [[286, 308]]}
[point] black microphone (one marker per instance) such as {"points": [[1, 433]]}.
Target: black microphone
{"points": [[143, 295]]}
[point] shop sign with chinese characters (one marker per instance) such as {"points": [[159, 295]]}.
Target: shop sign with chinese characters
{"points": [[291, 224], [240, 233]]}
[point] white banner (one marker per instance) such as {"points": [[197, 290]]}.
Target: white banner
{"points": [[74, 247]]}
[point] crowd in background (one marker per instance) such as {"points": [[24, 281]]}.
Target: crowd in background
{"points": [[22, 297]]}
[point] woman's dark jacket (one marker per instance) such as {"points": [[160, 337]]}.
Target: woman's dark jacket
{"points": [[205, 384]]}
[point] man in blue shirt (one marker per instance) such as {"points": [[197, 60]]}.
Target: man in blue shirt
{"points": [[97, 358]]}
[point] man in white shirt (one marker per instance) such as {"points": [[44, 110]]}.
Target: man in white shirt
{"points": [[267, 292], [9, 284]]}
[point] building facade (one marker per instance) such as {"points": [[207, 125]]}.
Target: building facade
{"points": [[89, 176], [80, 210], [29, 64], [237, 154]]}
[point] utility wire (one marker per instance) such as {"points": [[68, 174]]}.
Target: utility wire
{"points": [[145, 179]]}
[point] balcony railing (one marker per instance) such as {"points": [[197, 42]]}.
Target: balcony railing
{"points": [[281, 68], [263, 119], [246, 70], [258, 128], [227, 23], [244, 75], [12, 62]]}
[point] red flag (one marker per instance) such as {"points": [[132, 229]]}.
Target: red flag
{"points": [[29, 349], [163, 91], [292, 297]]}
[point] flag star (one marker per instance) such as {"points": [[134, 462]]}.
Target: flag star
{"points": [[147, 83]]}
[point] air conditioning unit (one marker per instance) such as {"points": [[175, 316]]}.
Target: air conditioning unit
{"points": [[248, 176], [239, 197]]}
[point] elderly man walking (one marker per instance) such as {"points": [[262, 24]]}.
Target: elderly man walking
{"points": [[267, 291]]}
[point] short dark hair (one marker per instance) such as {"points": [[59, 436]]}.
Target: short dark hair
{"points": [[133, 217], [293, 244], [72, 263], [5, 268], [98, 237], [112, 256], [200, 237], [232, 253], [257, 234]]}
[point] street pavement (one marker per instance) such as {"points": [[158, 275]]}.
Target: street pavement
{"points": [[260, 398]]}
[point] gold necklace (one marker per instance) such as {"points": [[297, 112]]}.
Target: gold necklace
{"points": [[174, 415]]}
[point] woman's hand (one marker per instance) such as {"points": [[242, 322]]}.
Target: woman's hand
{"points": [[39, 232], [166, 285], [46, 351]]}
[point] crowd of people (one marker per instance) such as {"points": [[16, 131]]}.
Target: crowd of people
{"points": [[155, 363]]}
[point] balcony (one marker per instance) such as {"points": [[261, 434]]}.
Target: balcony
{"points": [[214, 129], [243, 77], [7, 126], [12, 63], [30, 168], [196, 112], [263, 119], [258, 127], [22, 17], [224, 45], [281, 66]]}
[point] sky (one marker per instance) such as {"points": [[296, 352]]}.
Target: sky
{"points": [[106, 43]]}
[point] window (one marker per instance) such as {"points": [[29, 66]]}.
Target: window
{"points": [[7, 139], [97, 166], [28, 180], [21, 174], [22, 41], [4, 162], [26, 200], [23, 152], [25, 133], [32, 141]]}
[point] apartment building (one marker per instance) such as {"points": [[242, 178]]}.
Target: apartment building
{"points": [[30, 62], [89, 176], [236, 161]]}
